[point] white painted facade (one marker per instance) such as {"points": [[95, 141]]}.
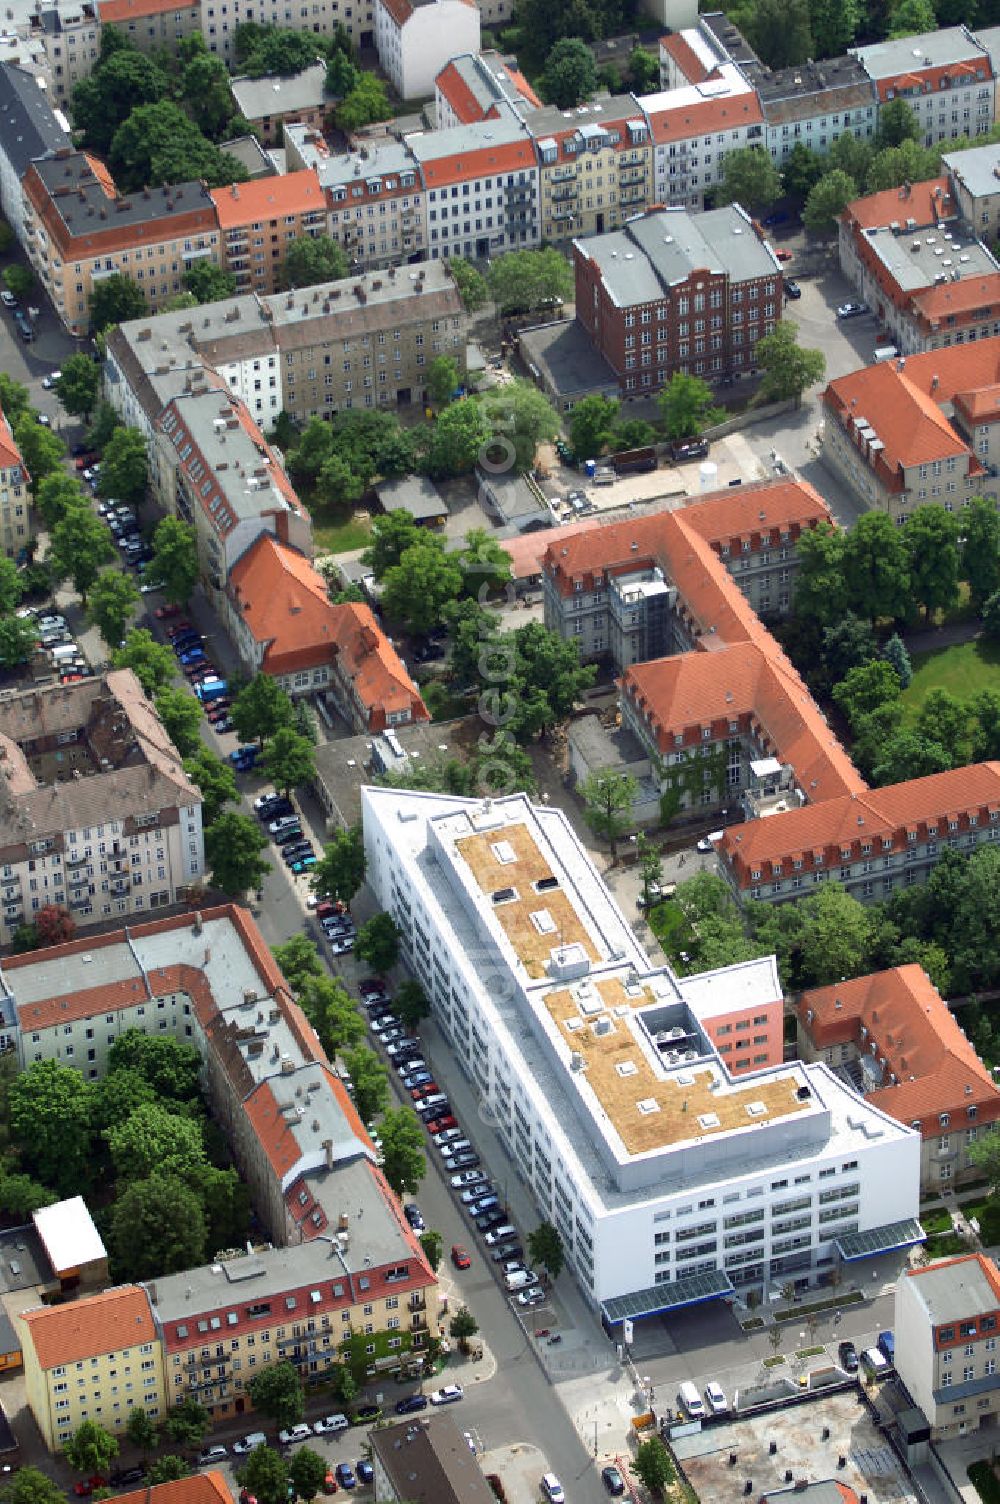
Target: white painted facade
{"points": [[765, 1199], [414, 42]]}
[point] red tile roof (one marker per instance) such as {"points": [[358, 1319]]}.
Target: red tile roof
{"points": [[951, 299], [906, 419], [456, 91], [478, 162], [380, 678], [871, 816], [119, 11], [930, 79], [285, 605], [679, 122], [10, 455], [268, 198], [913, 1030], [688, 62], [198, 1488], [104, 1323], [923, 204]]}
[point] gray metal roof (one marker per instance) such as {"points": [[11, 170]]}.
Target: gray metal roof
{"points": [[85, 209], [371, 161], [955, 1291], [641, 261], [414, 494], [945, 255], [931, 49], [429, 1461], [430, 146], [274, 94], [29, 128], [977, 169]]}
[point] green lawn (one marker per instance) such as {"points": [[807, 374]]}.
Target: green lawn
{"points": [[963, 669], [937, 1221], [341, 537]]}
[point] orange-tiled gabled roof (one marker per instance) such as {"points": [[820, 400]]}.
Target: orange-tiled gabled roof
{"points": [[285, 605], [10, 455], [399, 10], [102, 175], [766, 506], [679, 122], [681, 695], [930, 80], [114, 12], [482, 161], [906, 419], [825, 829], [523, 87], [688, 62], [268, 198], [106, 1323], [456, 91], [922, 203], [948, 299], [379, 676], [916, 1034], [199, 1488]]}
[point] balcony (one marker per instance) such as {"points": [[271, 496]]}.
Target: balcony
{"points": [[416, 1303], [633, 175], [634, 196], [75, 861], [563, 195], [562, 174], [77, 879], [120, 886], [79, 900]]}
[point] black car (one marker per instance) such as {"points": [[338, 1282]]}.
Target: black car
{"points": [[613, 1480], [504, 1251], [297, 851], [128, 1475], [792, 289], [365, 1413], [848, 1355], [275, 809], [288, 835], [411, 1404], [414, 1216], [442, 1110], [688, 449]]}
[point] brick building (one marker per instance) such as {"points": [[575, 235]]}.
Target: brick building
{"points": [[675, 292]]}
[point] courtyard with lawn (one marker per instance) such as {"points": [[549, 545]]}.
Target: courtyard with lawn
{"points": [[964, 669]]}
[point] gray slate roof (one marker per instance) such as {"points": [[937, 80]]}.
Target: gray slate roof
{"points": [[639, 262], [28, 125]]}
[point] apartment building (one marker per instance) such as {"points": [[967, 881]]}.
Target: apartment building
{"points": [[692, 127], [615, 1107], [222, 477], [946, 1325], [92, 1359], [415, 39], [152, 24], [481, 191], [872, 842], [279, 615], [70, 36], [29, 128], [974, 176], [15, 499], [896, 1038], [946, 77], [259, 221], [677, 292], [690, 56], [79, 229], [97, 813], [275, 100], [473, 86], [427, 1464], [220, 19], [595, 166], [375, 203], [923, 429]]}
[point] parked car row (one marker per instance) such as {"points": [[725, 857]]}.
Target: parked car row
{"points": [[284, 827], [54, 635], [123, 525], [200, 672]]}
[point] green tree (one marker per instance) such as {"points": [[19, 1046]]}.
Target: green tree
{"points": [[341, 76], [17, 640], [866, 688], [140, 1430], [174, 564], [426, 578], [298, 959], [985, 1155], [215, 780], [340, 871], [181, 717], [264, 49], [591, 425], [187, 1423], [608, 798], [834, 25], [442, 380], [115, 300], [846, 644], [897, 122], [209, 283], [28, 1485], [908, 162], [749, 178], [120, 83], [894, 652], [980, 546], [366, 104], [944, 719], [788, 368], [463, 1325], [152, 662], [652, 1465], [828, 200], [233, 847], [15, 399], [433, 1245], [124, 469], [167, 1469], [471, 284], [21, 1196], [261, 709], [547, 682], [208, 98], [877, 568], [457, 439], [853, 154], [906, 755], [42, 450], [337, 485], [402, 1138], [650, 865], [911, 18], [171, 1066], [378, 942], [288, 760], [160, 144], [154, 1138], [90, 1449], [644, 71], [779, 31], [311, 259], [79, 385], [991, 615], [570, 75], [48, 1113], [835, 936], [116, 1095], [371, 1082], [545, 1247], [632, 433], [102, 426], [685, 403], [931, 538], [984, 708], [276, 1391], [520, 417], [802, 170], [112, 602], [530, 279], [307, 1472], [412, 1003], [264, 1475], [485, 562], [333, 1013]]}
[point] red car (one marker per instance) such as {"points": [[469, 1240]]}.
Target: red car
{"points": [[86, 1486], [782, 254], [460, 1257], [179, 627], [164, 613], [417, 1092], [438, 1125]]}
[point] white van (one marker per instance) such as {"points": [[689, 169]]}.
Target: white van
{"points": [[521, 1279], [884, 353], [65, 652], [876, 1362], [500, 1235], [691, 1401]]}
